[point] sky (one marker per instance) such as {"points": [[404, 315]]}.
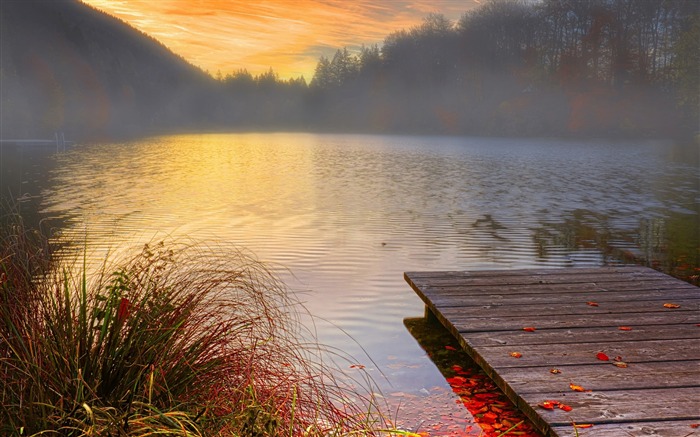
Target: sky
{"points": [[288, 36]]}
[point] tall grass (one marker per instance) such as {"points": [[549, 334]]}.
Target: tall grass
{"points": [[178, 339]]}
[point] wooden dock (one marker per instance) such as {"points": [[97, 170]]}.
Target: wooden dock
{"points": [[635, 316]]}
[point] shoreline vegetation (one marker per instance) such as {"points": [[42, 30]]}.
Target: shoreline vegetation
{"points": [[177, 339]]}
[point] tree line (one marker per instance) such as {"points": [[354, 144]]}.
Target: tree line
{"points": [[551, 67], [508, 67]]}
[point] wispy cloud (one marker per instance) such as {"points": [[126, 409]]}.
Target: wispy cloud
{"points": [[287, 35]]}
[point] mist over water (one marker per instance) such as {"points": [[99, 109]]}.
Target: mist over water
{"points": [[341, 217]]}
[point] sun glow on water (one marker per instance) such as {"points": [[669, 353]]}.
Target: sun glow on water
{"points": [[341, 217]]}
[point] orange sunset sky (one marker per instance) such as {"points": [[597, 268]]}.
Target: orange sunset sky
{"points": [[287, 35]]}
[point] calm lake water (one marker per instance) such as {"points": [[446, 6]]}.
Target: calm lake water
{"points": [[346, 215]]}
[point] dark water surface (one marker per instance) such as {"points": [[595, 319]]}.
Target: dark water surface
{"points": [[348, 214]]}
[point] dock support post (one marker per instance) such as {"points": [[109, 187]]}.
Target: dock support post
{"points": [[430, 316]]}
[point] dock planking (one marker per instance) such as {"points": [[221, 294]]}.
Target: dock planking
{"points": [[576, 314]]}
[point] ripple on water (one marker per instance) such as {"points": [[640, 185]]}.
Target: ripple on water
{"points": [[347, 215]]}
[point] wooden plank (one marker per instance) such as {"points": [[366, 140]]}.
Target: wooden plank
{"points": [[529, 295], [602, 376], [457, 288], [676, 428], [658, 391], [575, 276], [619, 406], [577, 308], [561, 354], [467, 324], [554, 271], [585, 335]]}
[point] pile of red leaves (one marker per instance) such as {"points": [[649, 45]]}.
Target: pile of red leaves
{"points": [[491, 409], [492, 413]]}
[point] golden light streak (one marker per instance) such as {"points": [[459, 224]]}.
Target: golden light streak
{"points": [[287, 35]]}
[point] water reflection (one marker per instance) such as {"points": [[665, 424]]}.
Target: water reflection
{"points": [[346, 215], [23, 178]]}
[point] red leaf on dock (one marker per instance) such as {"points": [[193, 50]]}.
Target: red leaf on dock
{"points": [[554, 371], [593, 304], [671, 305], [583, 425], [529, 329], [548, 405], [624, 328], [575, 387], [602, 357], [551, 404], [565, 407], [516, 354], [620, 364], [695, 425]]}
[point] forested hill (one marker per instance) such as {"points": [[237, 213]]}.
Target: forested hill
{"points": [[508, 67], [67, 67], [548, 67]]}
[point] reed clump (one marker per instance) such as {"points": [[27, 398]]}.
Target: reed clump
{"points": [[176, 340]]}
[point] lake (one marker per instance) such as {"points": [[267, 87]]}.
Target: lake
{"points": [[343, 216]]}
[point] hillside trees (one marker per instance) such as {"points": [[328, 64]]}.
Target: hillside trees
{"points": [[581, 67]]}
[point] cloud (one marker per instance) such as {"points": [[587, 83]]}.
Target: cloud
{"points": [[287, 35]]}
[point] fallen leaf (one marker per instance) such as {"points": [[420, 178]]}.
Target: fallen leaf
{"points": [[583, 425], [624, 328], [565, 407], [671, 305], [357, 366], [554, 371], [516, 354], [456, 380], [548, 405], [593, 304], [450, 348], [575, 387], [695, 425], [618, 358], [620, 364], [602, 357], [529, 329], [490, 417]]}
